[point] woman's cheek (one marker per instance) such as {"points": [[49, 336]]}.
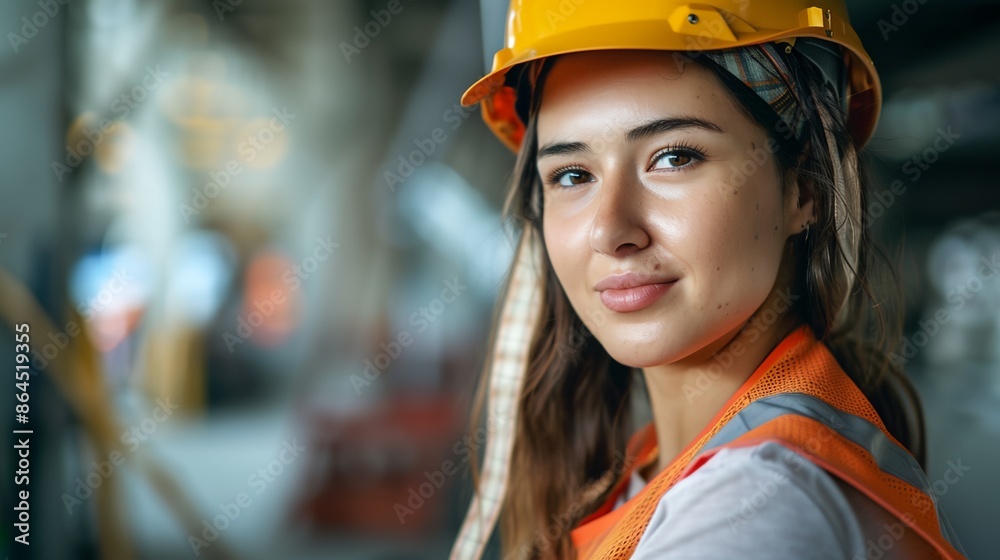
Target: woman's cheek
{"points": [[725, 258], [562, 241]]}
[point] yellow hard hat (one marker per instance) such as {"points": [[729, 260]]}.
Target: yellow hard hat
{"points": [[537, 29]]}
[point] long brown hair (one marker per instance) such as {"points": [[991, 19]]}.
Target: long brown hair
{"points": [[576, 407]]}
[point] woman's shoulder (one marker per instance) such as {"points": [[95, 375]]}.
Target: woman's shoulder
{"points": [[744, 493]]}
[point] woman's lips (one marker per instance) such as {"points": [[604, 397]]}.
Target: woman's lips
{"points": [[634, 299]]}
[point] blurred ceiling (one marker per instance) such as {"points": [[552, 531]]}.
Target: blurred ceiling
{"points": [[938, 63]]}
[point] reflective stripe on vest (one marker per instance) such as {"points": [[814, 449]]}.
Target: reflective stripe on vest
{"points": [[889, 456], [752, 424]]}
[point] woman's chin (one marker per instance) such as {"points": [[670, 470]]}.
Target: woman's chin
{"points": [[639, 357]]}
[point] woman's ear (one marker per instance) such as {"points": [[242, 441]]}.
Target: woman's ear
{"points": [[800, 207]]}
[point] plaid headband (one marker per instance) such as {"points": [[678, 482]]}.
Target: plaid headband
{"points": [[764, 71]]}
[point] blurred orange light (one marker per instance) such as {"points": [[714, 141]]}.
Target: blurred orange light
{"points": [[270, 306]]}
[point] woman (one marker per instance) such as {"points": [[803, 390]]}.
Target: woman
{"points": [[688, 188]]}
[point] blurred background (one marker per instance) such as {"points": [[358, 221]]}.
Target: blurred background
{"points": [[265, 243]]}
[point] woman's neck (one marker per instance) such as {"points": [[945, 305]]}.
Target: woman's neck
{"points": [[686, 395]]}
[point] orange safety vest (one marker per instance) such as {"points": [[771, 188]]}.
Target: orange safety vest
{"points": [[801, 398]]}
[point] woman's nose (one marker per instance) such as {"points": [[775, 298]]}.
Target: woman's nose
{"points": [[619, 228]]}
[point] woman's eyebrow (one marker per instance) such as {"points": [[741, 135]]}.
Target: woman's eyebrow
{"points": [[660, 126], [561, 148], [640, 132]]}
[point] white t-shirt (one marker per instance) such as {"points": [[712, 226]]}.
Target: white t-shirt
{"points": [[768, 502]]}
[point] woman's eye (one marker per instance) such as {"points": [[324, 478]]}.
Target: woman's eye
{"points": [[570, 177], [674, 159]]}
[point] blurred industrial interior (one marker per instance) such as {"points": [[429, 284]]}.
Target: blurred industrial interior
{"points": [[220, 199]]}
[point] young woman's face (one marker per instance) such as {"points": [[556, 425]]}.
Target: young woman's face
{"points": [[664, 213]]}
